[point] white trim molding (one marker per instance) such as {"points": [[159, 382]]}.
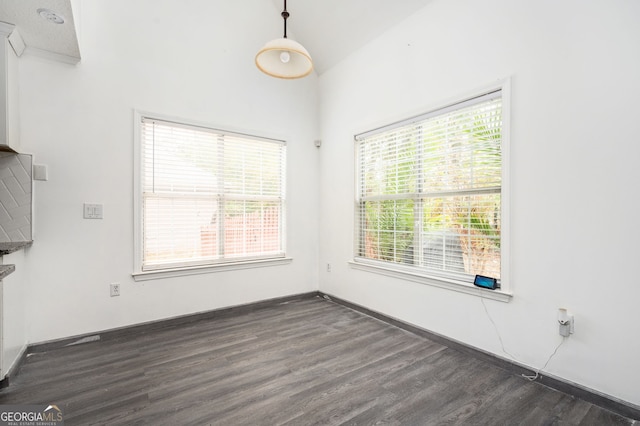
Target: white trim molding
{"points": [[206, 269], [53, 56], [446, 283]]}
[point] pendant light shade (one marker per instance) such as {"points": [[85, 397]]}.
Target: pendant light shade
{"points": [[284, 58]]}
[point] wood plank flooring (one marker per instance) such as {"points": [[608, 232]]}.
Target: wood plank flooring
{"points": [[304, 362]]}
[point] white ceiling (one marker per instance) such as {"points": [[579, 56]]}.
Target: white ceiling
{"points": [[39, 34], [332, 29], [329, 29]]}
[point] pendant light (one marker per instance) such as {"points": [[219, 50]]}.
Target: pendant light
{"points": [[284, 58]]}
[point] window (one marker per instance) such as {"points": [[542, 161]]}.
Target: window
{"points": [[429, 192], [207, 196]]}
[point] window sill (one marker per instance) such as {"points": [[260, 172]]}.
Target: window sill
{"points": [[449, 284], [196, 270]]}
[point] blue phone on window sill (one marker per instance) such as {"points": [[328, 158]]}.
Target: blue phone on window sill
{"points": [[486, 282]]}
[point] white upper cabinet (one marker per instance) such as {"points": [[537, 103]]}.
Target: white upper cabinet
{"points": [[9, 110]]}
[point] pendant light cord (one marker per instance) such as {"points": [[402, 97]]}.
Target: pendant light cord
{"points": [[285, 15]]}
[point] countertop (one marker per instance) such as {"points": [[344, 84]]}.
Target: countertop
{"points": [[10, 247], [6, 270]]}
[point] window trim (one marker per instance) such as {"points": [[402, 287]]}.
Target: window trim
{"points": [[379, 268], [140, 274], [206, 269], [504, 293]]}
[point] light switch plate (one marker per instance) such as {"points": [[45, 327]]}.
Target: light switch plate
{"points": [[92, 211]]}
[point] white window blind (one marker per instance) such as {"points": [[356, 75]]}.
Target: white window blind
{"points": [[209, 196], [429, 191]]}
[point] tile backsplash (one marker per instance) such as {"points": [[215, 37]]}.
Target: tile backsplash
{"points": [[15, 197]]}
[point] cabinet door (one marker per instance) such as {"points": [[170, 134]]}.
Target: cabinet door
{"points": [[9, 109], [4, 88], [13, 110]]}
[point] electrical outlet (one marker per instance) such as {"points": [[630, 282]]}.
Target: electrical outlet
{"points": [[566, 322], [328, 267], [115, 289]]}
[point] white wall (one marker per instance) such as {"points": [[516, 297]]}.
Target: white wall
{"points": [[574, 68], [191, 60]]}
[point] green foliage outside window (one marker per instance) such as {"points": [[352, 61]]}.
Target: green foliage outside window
{"points": [[435, 184]]}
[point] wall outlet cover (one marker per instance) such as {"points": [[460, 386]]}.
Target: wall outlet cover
{"points": [[114, 290]]}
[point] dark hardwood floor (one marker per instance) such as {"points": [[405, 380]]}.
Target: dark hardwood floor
{"points": [[303, 362]]}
